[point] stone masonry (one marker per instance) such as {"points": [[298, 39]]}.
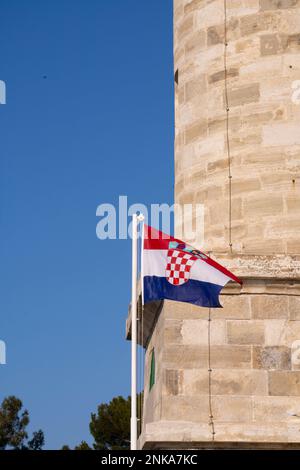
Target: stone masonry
{"points": [[236, 65]]}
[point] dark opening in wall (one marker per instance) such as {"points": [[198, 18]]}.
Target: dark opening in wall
{"points": [[176, 77]]}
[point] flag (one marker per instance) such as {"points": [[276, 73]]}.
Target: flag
{"points": [[173, 270]]}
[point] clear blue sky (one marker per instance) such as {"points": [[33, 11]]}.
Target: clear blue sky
{"points": [[99, 126]]}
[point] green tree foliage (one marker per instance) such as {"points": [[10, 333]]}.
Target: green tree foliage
{"points": [[110, 427], [13, 424], [83, 446]]}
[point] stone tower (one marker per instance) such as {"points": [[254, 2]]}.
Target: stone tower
{"points": [[237, 151]]}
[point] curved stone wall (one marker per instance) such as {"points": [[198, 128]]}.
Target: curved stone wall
{"points": [[255, 153]]}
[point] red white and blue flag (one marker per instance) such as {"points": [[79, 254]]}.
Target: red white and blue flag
{"points": [[173, 270]]}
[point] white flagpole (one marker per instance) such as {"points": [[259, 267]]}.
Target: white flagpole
{"points": [[133, 419]]}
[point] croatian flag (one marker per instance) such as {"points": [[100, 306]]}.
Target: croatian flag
{"points": [[173, 270]]}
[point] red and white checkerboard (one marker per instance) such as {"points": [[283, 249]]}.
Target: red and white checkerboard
{"points": [[179, 266]]}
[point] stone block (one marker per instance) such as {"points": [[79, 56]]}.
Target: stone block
{"points": [[192, 5], [185, 27], [195, 131], [284, 228], [195, 382], [239, 382], [172, 331], [254, 24], [177, 408], [196, 332], [284, 383], [217, 211], [294, 307], [218, 76], [215, 35], [195, 42], [173, 381], [295, 354], [293, 246], [185, 356], [293, 202], [245, 185], [232, 409], [234, 307], [271, 357], [243, 95], [195, 88], [277, 4], [218, 124], [239, 142], [245, 332], [258, 246], [290, 42], [282, 134], [178, 310], [271, 409], [270, 44], [209, 15], [275, 332], [269, 306], [265, 205], [231, 357], [281, 181]]}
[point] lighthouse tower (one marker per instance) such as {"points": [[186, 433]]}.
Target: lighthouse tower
{"points": [[231, 377]]}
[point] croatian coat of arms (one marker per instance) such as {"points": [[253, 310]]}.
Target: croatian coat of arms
{"points": [[180, 259]]}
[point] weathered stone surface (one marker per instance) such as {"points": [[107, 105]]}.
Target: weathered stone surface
{"points": [[185, 27], [245, 332], [195, 382], [254, 24], [272, 409], [265, 205], [185, 356], [231, 357], [193, 5], [196, 332], [232, 409], [195, 87], [293, 246], [257, 246], [239, 382], [194, 356], [172, 331], [293, 201], [237, 307], [281, 134], [275, 332], [194, 409], [295, 354], [294, 308], [217, 210], [271, 357], [284, 383], [242, 185], [217, 76], [243, 95], [215, 35], [195, 42], [270, 44], [269, 306], [219, 124], [173, 382], [277, 4], [195, 131]]}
